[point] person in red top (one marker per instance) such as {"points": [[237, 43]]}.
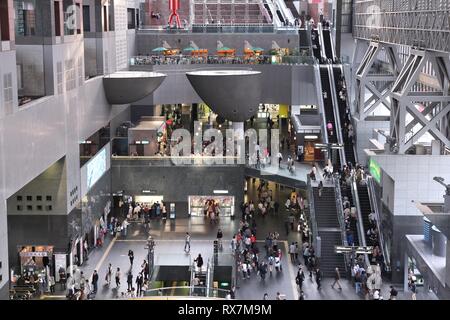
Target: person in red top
{"points": [[253, 240]]}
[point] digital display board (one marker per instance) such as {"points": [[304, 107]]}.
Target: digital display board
{"points": [[375, 170], [96, 167]]}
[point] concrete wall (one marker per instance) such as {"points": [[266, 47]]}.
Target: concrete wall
{"points": [[413, 177], [31, 60], [285, 84]]}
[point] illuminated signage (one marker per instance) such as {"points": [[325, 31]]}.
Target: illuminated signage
{"points": [[375, 170]]}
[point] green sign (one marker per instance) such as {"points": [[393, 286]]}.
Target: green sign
{"points": [[375, 170]]}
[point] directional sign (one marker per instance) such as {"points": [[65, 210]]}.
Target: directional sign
{"points": [[350, 249]]}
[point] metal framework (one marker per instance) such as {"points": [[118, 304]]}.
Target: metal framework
{"points": [[430, 110], [375, 82], [404, 22]]}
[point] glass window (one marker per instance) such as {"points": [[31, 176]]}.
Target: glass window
{"points": [[86, 19], [25, 17], [69, 11]]}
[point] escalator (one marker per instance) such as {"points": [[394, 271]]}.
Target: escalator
{"points": [[342, 106], [328, 109], [328, 44], [315, 43], [366, 209], [305, 38], [268, 11], [290, 5], [347, 192], [280, 16]]}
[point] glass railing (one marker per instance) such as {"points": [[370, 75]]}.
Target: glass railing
{"points": [[216, 59], [175, 161], [200, 292]]}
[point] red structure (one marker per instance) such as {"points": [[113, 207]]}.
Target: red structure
{"points": [[174, 5]]}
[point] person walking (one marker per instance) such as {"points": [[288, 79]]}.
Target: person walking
{"points": [[187, 242], [199, 261], [94, 281], [393, 293], [318, 278], [280, 158], [292, 250], [139, 282], [131, 256], [118, 275], [130, 281], [108, 274], [337, 277], [300, 278], [219, 238]]}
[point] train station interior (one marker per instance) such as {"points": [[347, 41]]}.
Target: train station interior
{"points": [[224, 150]]}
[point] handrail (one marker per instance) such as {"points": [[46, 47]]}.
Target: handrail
{"points": [[347, 105], [276, 19], [312, 211], [337, 118], [264, 11], [360, 225], [321, 103], [374, 206], [185, 287], [208, 276], [340, 213], [191, 290], [321, 42], [287, 13]]}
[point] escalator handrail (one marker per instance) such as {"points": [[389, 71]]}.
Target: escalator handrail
{"points": [[361, 231], [321, 42], [208, 275], [275, 17], [347, 105], [340, 213], [337, 119], [312, 211], [374, 207], [321, 103]]}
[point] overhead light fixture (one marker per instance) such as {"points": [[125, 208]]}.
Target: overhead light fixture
{"points": [[311, 137], [220, 191]]}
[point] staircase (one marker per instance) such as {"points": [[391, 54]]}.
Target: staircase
{"points": [[328, 230]]}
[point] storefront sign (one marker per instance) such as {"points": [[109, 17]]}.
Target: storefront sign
{"points": [[34, 254]]}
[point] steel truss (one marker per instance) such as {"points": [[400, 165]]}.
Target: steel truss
{"points": [[377, 83], [406, 22], [430, 110]]}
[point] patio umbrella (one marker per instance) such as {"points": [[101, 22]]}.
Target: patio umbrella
{"points": [[257, 49], [224, 49], [189, 49], [159, 49]]}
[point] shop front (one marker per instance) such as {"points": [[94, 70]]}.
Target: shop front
{"points": [[202, 206], [36, 260]]}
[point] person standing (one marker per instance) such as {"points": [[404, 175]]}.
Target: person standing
{"points": [[94, 281], [187, 242], [118, 274], [131, 256], [199, 261], [337, 277], [139, 283], [280, 158], [318, 278], [108, 274], [393, 293], [320, 188], [130, 281], [233, 292], [292, 249], [413, 289]]}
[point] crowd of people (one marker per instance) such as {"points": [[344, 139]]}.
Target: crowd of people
{"points": [[200, 59]]}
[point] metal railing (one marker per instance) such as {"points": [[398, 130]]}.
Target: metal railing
{"points": [[182, 59], [374, 205], [340, 213], [186, 291]]}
